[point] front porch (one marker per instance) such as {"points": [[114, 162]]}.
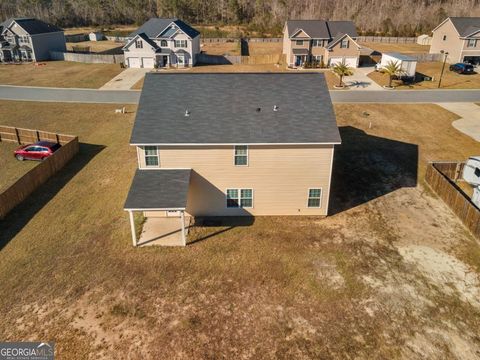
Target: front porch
{"points": [[161, 196]]}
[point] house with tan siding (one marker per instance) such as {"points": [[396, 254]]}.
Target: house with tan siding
{"points": [[460, 37], [320, 42], [206, 148], [162, 42]]}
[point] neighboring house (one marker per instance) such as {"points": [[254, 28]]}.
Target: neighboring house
{"points": [[228, 145], [28, 39], [162, 43], [320, 42], [460, 37]]}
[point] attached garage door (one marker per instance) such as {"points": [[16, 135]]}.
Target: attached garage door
{"points": [[134, 62], [349, 61], [148, 63]]}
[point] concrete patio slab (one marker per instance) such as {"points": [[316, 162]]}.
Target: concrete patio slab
{"points": [[126, 79], [162, 231], [469, 124]]}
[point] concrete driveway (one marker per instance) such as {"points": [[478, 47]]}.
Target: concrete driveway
{"points": [[469, 124], [360, 81], [126, 79]]}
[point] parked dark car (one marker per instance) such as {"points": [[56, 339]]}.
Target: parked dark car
{"points": [[38, 151], [462, 68]]}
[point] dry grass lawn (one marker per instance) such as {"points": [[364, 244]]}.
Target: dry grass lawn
{"points": [[227, 48], [391, 274], [264, 48], [62, 74], [401, 48], [330, 77], [450, 80], [10, 168], [104, 46]]}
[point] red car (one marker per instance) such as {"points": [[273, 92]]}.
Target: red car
{"points": [[38, 151]]}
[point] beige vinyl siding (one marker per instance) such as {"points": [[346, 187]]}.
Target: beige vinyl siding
{"points": [[352, 50], [453, 44], [280, 177]]}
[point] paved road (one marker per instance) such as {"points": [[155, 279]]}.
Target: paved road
{"points": [[339, 96], [69, 95]]}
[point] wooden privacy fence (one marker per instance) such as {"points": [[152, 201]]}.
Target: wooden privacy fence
{"points": [[441, 177], [37, 176], [388, 39], [237, 59], [426, 57], [87, 58]]}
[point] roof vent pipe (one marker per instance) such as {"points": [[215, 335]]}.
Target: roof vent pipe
{"points": [[275, 107], [187, 113]]}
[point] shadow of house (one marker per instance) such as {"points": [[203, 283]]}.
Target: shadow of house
{"points": [[14, 222], [114, 51], [366, 167], [207, 59]]}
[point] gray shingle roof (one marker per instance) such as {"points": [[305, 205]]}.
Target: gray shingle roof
{"points": [[158, 189], [153, 27], [32, 26], [223, 109], [321, 29], [466, 25]]}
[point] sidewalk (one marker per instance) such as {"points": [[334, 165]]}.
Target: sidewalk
{"points": [[126, 79]]}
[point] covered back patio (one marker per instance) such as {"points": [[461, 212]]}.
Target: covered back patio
{"points": [[161, 196]]}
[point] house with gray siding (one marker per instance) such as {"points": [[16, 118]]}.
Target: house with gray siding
{"points": [[162, 43], [29, 39]]}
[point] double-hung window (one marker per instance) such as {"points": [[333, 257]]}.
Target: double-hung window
{"points": [[241, 155], [151, 156], [472, 43], [180, 43], [314, 198], [317, 43], [239, 198], [344, 44], [299, 42], [139, 44]]}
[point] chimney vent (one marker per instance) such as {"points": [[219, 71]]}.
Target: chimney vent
{"points": [[275, 107]]}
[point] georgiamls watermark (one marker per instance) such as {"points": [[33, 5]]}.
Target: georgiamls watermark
{"points": [[27, 350]]}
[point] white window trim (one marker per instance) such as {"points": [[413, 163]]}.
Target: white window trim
{"points": [[321, 197], [474, 43], [347, 44], [145, 158], [138, 41], [239, 198], [235, 156]]}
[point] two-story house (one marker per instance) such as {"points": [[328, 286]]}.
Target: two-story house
{"points": [[233, 145], [320, 42], [161, 43], [28, 39], [460, 37]]}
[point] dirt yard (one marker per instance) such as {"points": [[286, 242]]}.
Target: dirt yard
{"points": [[64, 74], [99, 47], [391, 274], [227, 48], [450, 80], [10, 168], [401, 48]]}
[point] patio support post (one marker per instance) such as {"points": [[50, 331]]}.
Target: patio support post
{"points": [[132, 226], [184, 238]]}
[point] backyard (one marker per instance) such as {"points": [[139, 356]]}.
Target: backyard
{"points": [[10, 168], [401, 48], [99, 47], [450, 79], [62, 74], [221, 48], [390, 274]]}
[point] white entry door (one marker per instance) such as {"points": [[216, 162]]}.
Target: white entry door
{"points": [[148, 63], [350, 61], [134, 62]]}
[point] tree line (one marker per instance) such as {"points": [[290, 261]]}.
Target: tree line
{"points": [[379, 17]]}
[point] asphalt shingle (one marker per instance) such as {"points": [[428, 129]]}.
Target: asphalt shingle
{"points": [[236, 108]]}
